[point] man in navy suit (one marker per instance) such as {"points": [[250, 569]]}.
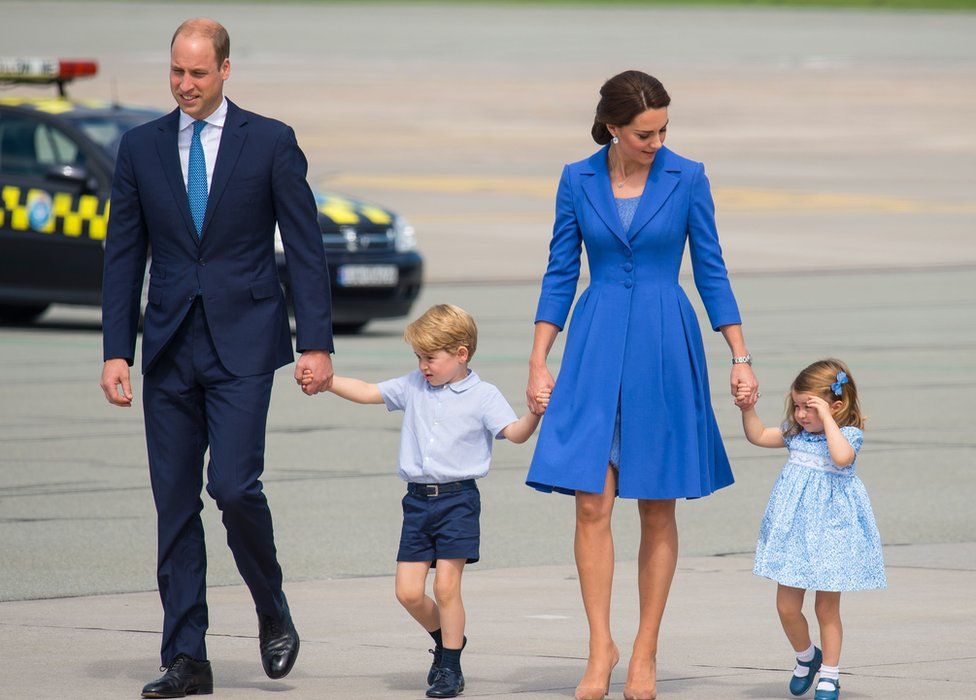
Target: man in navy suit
{"points": [[203, 188]]}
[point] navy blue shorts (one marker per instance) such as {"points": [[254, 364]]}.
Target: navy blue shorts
{"points": [[441, 527]]}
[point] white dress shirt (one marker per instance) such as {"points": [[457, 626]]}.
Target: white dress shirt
{"points": [[209, 139]]}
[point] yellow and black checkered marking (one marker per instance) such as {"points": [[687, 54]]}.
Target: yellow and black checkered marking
{"points": [[74, 216], [52, 105], [346, 212]]}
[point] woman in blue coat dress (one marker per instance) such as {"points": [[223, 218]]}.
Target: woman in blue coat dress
{"points": [[630, 414]]}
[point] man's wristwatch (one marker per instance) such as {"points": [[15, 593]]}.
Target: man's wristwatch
{"points": [[744, 360]]}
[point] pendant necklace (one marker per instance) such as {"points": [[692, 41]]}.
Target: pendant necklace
{"points": [[624, 181]]}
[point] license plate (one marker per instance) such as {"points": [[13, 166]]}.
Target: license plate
{"points": [[368, 275]]}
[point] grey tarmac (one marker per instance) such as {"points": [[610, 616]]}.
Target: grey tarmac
{"points": [[841, 151]]}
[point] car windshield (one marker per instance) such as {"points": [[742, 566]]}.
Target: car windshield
{"points": [[106, 129]]}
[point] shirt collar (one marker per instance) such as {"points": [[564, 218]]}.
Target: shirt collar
{"points": [[217, 119], [466, 383]]}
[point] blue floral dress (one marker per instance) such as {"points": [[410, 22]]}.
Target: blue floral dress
{"points": [[818, 531]]}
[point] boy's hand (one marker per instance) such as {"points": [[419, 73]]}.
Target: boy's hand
{"points": [[307, 377], [542, 398], [319, 362]]}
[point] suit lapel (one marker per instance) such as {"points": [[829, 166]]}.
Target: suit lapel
{"points": [[597, 188], [231, 142], [167, 146], [661, 181]]}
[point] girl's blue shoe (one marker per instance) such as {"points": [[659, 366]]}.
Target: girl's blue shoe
{"points": [[831, 694], [798, 686]]}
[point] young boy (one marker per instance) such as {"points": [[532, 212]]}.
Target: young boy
{"points": [[451, 417]]}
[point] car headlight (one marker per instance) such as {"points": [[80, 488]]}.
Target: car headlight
{"points": [[406, 236], [278, 245]]}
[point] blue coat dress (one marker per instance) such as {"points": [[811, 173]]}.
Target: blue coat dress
{"points": [[634, 340]]}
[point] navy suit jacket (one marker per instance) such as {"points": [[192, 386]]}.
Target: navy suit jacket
{"points": [[258, 179]]}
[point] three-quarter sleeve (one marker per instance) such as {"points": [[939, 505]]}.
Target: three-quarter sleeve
{"points": [[562, 273], [711, 277]]}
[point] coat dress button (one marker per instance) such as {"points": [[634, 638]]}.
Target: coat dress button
{"points": [[628, 283], [628, 267]]}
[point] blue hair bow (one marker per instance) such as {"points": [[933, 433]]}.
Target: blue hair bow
{"points": [[841, 381]]}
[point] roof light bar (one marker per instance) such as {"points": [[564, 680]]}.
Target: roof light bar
{"points": [[45, 70]]}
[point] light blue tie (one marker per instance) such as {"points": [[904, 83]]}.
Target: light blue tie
{"points": [[196, 178]]}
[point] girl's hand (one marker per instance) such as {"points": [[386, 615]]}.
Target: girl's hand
{"points": [[745, 400], [821, 407], [744, 379], [307, 377], [540, 380]]}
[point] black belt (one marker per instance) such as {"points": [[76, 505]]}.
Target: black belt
{"points": [[434, 490]]}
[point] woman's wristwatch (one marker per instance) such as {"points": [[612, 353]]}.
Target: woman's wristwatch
{"points": [[744, 360]]}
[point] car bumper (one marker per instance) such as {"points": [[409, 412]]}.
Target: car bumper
{"points": [[358, 304]]}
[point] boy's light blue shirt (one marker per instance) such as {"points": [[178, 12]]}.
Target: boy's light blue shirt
{"points": [[447, 430]]}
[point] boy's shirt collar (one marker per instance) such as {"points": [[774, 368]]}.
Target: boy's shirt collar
{"points": [[461, 386]]}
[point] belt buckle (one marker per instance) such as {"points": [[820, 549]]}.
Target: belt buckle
{"points": [[432, 490]]}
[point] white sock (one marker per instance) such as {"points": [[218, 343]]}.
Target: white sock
{"points": [[806, 657], [831, 672]]}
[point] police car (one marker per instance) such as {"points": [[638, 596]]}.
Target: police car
{"points": [[57, 157]]}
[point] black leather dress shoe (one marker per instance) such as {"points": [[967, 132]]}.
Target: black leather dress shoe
{"points": [[436, 663], [184, 676], [448, 683], [279, 645]]}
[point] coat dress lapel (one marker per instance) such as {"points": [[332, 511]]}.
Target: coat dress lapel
{"points": [[596, 185], [167, 145], [661, 181]]}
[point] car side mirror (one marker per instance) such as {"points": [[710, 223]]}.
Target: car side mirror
{"points": [[73, 175]]}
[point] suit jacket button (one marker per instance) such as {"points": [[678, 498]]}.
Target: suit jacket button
{"points": [[201, 261]]}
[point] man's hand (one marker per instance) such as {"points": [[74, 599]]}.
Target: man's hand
{"points": [[319, 363], [115, 373]]}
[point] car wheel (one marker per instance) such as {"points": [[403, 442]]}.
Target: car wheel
{"points": [[348, 328], [16, 314]]}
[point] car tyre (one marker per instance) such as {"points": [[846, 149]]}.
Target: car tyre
{"points": [[20, 314], [348, 328]]}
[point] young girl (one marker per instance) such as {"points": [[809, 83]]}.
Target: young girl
{"points": [[818, 532]]}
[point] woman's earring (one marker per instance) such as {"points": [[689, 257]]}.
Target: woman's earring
{"points": [[615, 140]]}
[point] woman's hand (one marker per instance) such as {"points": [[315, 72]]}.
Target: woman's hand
{"points": [[542, 398], [745, 386], [744, 398], [540, 385]]}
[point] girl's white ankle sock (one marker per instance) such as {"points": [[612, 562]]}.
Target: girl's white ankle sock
{"points": [[831, 672], [806, 657]]}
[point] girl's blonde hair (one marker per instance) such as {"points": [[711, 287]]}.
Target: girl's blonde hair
{"points": [[817, 379], [443, 327]]}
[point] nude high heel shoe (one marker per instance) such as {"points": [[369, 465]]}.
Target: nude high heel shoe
{"points": [[597, 692], [632, 692]]}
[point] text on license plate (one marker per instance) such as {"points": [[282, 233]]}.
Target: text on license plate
{"points": [[368, 275]]}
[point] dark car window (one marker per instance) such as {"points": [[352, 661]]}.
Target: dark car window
{"points": [[29, 147], [106, 131]]}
